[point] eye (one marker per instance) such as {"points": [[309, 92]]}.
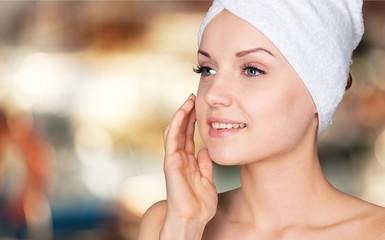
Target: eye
{"points": [[204, 71], [252, 71]]}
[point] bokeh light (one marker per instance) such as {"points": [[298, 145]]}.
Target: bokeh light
{"points": [[379, 148]]}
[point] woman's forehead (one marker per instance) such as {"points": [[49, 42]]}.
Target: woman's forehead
{"points": [[227, 32]]}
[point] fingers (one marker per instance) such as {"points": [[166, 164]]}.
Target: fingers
{"points": [[205, 165], [179, 127], [189, 138]]}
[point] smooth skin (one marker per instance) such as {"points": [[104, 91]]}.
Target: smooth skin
{"points": [[283, 194]]}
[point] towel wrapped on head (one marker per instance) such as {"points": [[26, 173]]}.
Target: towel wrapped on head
{"points": [[317, 38]]}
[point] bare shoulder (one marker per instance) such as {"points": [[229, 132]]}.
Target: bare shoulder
{"points": [[152, 221], [378, 221], [373, 222]]}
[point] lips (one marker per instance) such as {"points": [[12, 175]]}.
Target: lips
{"points": [[223, 127]]}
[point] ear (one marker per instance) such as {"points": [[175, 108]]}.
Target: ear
{"points": [[349, 82]]}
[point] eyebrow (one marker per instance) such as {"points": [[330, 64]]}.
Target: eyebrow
{"points": [[241, 53], [206, 54]]}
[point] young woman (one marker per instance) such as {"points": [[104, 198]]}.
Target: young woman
{"points": [[272, 75]]}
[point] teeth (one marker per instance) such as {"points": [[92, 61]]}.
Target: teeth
{"points": [[217, 125]]}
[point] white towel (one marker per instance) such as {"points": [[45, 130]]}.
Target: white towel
{"points": [[317, 37]]}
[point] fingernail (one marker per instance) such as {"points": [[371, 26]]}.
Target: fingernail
{"points": [[191, 96]]}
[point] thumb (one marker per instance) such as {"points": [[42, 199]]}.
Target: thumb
{"points": [[205, 165]]}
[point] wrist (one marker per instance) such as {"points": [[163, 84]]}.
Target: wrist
{"points": [[182, 229]]}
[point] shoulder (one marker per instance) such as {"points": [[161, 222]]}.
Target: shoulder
{"points": [[378, 222], [373, 222], [152, 221]]}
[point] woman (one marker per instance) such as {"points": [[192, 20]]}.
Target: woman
{"points": [[272, 75]]}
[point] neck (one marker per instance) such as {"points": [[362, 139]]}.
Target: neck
{"points": [[285, 191]]}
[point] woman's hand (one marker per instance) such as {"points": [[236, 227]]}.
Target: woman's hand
{"points": [[191, 194]]}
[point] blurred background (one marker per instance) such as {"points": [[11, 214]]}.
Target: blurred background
{"points": [[86, 89]]}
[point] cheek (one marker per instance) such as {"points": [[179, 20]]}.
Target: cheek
{"points": [[290, 114], [276, 109]]}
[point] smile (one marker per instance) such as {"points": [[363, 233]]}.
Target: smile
{"points": [[219, 126]]}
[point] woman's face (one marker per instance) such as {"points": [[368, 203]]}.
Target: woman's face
{"points": [[251, 105]]}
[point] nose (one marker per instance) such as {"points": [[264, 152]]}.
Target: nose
{"points": [[218, 93]]}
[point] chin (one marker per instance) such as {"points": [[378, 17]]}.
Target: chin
{"points": [[225, 158]]}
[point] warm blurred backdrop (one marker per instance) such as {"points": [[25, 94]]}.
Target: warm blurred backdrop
{"points": [[86, 89]]}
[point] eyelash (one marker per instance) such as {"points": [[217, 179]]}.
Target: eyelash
{"points": [[200, 69], [251, 67]]}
